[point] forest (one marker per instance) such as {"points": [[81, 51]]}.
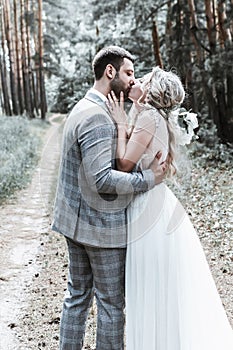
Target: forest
{"points": [[47, 48], [46, 53]]}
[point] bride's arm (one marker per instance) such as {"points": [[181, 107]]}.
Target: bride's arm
{"points": [[130, 150]]}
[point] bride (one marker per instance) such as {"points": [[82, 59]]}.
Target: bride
{"points": [[171, 299]]}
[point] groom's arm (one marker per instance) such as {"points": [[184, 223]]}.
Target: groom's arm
{"points": [[96, 137]]}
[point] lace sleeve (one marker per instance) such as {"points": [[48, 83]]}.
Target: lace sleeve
{"points": [[148, 119]]}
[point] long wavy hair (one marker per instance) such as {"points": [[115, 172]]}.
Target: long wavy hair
{"points": [[164, 91]]}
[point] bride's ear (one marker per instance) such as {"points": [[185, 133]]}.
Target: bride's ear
{"points": [[110, 71]]}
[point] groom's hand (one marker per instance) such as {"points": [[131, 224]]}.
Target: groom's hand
{"points": [[159, 169]]}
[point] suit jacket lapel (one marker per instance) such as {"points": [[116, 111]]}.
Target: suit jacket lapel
{"points": [[96, 99]]}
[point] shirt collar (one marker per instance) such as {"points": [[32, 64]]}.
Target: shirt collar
{"points": [[98, 93]]}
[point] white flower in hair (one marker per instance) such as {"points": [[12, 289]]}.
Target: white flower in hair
{"points": [[183, 122]]}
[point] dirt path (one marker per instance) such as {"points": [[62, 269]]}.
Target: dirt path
{"points": [[24, 224]]}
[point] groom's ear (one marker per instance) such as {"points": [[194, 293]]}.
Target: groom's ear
{"points": [[110, 71]]}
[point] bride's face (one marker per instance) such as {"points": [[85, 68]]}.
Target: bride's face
{"points": [[139, 90], [136, 91]]}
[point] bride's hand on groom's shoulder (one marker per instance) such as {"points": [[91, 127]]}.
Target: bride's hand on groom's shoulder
{"points": [[116, 108]]}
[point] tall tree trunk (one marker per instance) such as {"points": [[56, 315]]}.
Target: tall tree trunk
{"points": [[157, 54], [36, 79], [19, 74], [228, 128], [210, 101], [168, 30], [226, 43], [30, 73], [33, 62], [43, 103], [5, 102], [211, 29], [231, 22], [225, 32], [4, 78], [11, 54], [26, 84], [221, 112], [194, 29]]}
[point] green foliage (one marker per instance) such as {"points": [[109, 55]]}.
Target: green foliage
{"points": [[77, 30], [75, 84], [69, 48], [18, 154], [104, 25]]}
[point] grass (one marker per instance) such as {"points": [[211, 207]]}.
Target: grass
{"points": [[20, 141]]}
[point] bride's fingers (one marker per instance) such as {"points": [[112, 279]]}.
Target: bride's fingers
{"points": [[111, 102], [108, 104], [122, 100], [114, 103], [114, 96]]}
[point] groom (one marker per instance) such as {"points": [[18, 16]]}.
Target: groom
{"points": [[90, 207]]}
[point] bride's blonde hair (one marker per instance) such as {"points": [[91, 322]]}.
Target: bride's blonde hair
{"points": [[165, 92]]}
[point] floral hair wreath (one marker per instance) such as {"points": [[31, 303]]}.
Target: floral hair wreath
{"points": [[183, 122]]}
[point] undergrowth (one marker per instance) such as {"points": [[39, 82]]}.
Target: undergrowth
{"points": [[20, 141]]}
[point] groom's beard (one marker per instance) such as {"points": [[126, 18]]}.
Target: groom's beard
{"points": [[117, 86]]}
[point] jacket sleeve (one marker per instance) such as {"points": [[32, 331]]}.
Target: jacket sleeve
{"points": [[97, 142]]}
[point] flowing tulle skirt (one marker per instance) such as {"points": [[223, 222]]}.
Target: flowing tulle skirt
{"points": [[171, 299]]}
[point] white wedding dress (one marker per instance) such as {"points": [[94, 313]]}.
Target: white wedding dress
{"points": [[171, 299]]}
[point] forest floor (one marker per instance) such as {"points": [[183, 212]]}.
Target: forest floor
{"points": [[33, 259]]}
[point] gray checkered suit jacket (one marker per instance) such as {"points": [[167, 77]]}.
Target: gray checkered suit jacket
{"points": [[92, 197]]}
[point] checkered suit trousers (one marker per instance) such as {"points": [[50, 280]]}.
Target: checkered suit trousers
{"points": [[99, 272]]}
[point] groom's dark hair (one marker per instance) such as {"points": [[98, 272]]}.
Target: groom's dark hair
{"points": [[113, 55]]}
